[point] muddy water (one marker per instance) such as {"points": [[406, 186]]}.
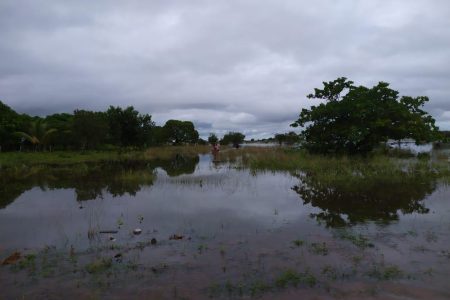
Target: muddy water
{"points": [[219, 232]]}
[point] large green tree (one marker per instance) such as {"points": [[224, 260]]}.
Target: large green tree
{"points": [[180, 132], [129, 128], [289, 138], [63, 138], [9, 123], [89, 128], [38, 134], [235, 138], [213, 139], [355, 119]]}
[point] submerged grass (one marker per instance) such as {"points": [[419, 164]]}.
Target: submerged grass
{"points": [[358, 240], [343, 171], [291, 277]]}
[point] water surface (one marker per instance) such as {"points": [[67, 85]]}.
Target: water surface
{"points": [[221, 232]]}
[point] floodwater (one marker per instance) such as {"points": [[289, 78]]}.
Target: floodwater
{"points": [[210, 230]]}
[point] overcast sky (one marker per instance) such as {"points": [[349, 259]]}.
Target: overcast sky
{"points": [[225, 65]]}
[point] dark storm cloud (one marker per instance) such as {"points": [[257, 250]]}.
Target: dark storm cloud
{"points": [[226, 65]]}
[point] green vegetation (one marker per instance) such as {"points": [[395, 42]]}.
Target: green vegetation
{"points": [[89, 130], [38, 134], [60, 158], [382, 272], [330, 272], [289, 138], [234, 138], [357, 239], [99, 265], [256, 287], [319, 248], [180, 132], [291, 277], [347, 188], [345, 171], [28, 262], [298, 243], [259, 287], [356, 119], [213, 139], [91, 173]]}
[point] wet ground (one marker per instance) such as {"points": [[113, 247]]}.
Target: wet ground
{"points": [[210, 230]]}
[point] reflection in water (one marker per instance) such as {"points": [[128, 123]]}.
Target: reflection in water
{"points": [[239, 228], [375, 201], [178, 166], [90, 181]]}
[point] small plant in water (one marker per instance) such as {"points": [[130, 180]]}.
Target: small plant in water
{"points": [[358, 240], [385, 272], [291, 277], [222, 251], [412, 233], [357, 259], [430, 236], [330, 271], [445, 253], [259, 287], [28, 262], [201, 248], [428, 272], [99, 265], [319, 248], [298, 243], [119, 222]]}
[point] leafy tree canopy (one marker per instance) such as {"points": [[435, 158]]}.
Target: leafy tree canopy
{"points": [[234, 138], [212, 139], [289, 138], [355, 119], [10, 123], [89, 128], [127, 127], [180, 132]]}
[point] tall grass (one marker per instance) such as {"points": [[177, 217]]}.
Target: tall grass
{"points": [[340, 170], [28, 159], [171, 152]]}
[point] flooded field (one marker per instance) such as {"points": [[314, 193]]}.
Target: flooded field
{"points": [[210, 229]]}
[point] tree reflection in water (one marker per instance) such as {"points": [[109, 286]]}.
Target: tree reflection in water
{"points": [[90, 181], [376, 200]]}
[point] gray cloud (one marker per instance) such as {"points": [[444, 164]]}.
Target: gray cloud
{"points": [[226, 65]]}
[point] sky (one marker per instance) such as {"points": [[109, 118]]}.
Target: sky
{"points": [[226, 65]]}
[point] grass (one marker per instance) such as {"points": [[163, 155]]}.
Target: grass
{"points": [[298, 243], [201, 248], [170, 152], [336, 170], [291, 277], [20, 159], [382, 272], [330, 272], [343, 171], [319, 248], [28, 262], [99, 265], [12, 159], [259, 287], [358, 240], [256, 287]]}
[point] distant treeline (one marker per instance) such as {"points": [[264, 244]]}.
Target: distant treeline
{"points": [[83, 129]]}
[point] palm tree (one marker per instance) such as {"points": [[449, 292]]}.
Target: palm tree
{"points": [[38, 134]]}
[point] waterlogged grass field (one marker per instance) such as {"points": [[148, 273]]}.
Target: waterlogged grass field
{"points": [[255, 222]]}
